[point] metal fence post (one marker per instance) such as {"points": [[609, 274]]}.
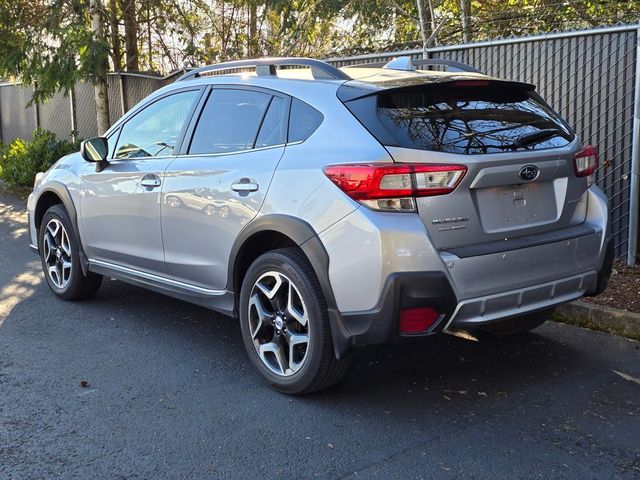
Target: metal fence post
{"points": [[634, 195], [123, 97], [72, 113], [36, 112], [1, 132]]}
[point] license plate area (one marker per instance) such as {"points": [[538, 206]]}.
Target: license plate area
{"points": [[513, 207]]}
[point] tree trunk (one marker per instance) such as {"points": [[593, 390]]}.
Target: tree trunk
{"points": [[129, 18], [465, 19], [433, 23], [425, 30], [100, 90], [116, 52], [253, 45]]}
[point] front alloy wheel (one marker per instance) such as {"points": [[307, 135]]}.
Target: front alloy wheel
{"points": [[60, 257], [57, 253], [278, 323]]}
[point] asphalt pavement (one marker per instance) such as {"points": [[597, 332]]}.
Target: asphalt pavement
{"points": [[131, 384]]}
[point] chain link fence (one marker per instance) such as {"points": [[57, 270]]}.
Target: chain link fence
{"points": [[589, 76]]}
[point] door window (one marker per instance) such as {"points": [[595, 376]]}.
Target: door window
{"points": [[274, 127], [156, 129], [229, 121]]}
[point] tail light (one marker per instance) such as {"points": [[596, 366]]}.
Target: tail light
{"points": [[585, 162], [417, 320], [393, 186]]}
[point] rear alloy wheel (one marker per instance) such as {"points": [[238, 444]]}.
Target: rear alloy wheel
{"points": [[518, 325], [285, 325], [60, 257], [279, 323]]}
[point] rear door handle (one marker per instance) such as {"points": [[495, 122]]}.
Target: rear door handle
{"points": [[244, 185], [150, 181]]}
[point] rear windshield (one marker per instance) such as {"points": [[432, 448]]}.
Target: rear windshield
{"points": [[462, 119]]}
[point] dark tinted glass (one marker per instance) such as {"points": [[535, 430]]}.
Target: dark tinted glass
{"points": [[229, 121], [303, 121], [274, 126], [155, 130], [470, 120]]}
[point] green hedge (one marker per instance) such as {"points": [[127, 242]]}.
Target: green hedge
{"points": [[21, 160]]}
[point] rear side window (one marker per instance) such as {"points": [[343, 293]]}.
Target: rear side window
{"points": [[274, 126], [229, 121], [303, 121], [462, 119]]}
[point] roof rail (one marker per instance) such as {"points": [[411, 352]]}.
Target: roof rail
{"points": [[267, 66], [409, 64]]}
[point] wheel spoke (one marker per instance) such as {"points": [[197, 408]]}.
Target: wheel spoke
{"points": [[64, 243], [295, 339], [256, 303], [55, 275], [47, 247], [299, 315], [270, 292], [274, 350], [53, 228]]}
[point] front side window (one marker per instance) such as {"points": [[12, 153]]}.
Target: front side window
{"points": [[156, 129], [229, 122]]}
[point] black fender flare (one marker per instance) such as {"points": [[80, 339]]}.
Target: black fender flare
{"points": [[306, 238], [62, 192]]}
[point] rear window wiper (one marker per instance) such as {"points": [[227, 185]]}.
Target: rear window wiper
{"points": [[529, 138]]}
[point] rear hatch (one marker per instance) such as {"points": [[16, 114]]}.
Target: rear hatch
{"points": [[518, 152]]}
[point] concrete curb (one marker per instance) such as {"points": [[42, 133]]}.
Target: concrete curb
{"points": [[596, 317]]}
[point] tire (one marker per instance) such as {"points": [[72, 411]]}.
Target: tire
{"points": [[60, 259], [274, 328], [518, 325]]}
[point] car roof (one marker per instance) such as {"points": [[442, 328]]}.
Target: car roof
{"points": [[305, 83]]}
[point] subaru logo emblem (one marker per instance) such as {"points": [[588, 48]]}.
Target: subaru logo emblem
{"points": [[529, 173]]}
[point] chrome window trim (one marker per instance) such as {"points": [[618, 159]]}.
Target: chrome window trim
{"points": [[235, 152]]}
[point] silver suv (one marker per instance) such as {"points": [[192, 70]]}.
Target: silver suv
{"points": [[327, 208]]}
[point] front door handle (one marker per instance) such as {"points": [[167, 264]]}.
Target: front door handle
{"points": [[244, 185], [150, 181]]}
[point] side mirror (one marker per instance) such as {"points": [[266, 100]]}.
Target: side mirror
{"points": [[95, 149]]}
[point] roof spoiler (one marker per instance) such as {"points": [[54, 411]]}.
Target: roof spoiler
{"points": [[409, 64], [354, 90]]}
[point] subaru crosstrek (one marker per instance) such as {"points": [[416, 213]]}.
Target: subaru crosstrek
{"points": [[327, 208]]}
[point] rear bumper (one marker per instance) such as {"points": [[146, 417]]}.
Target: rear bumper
{"points": [[434, 289], [513, 303], [383, 262], [402, 290]]}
